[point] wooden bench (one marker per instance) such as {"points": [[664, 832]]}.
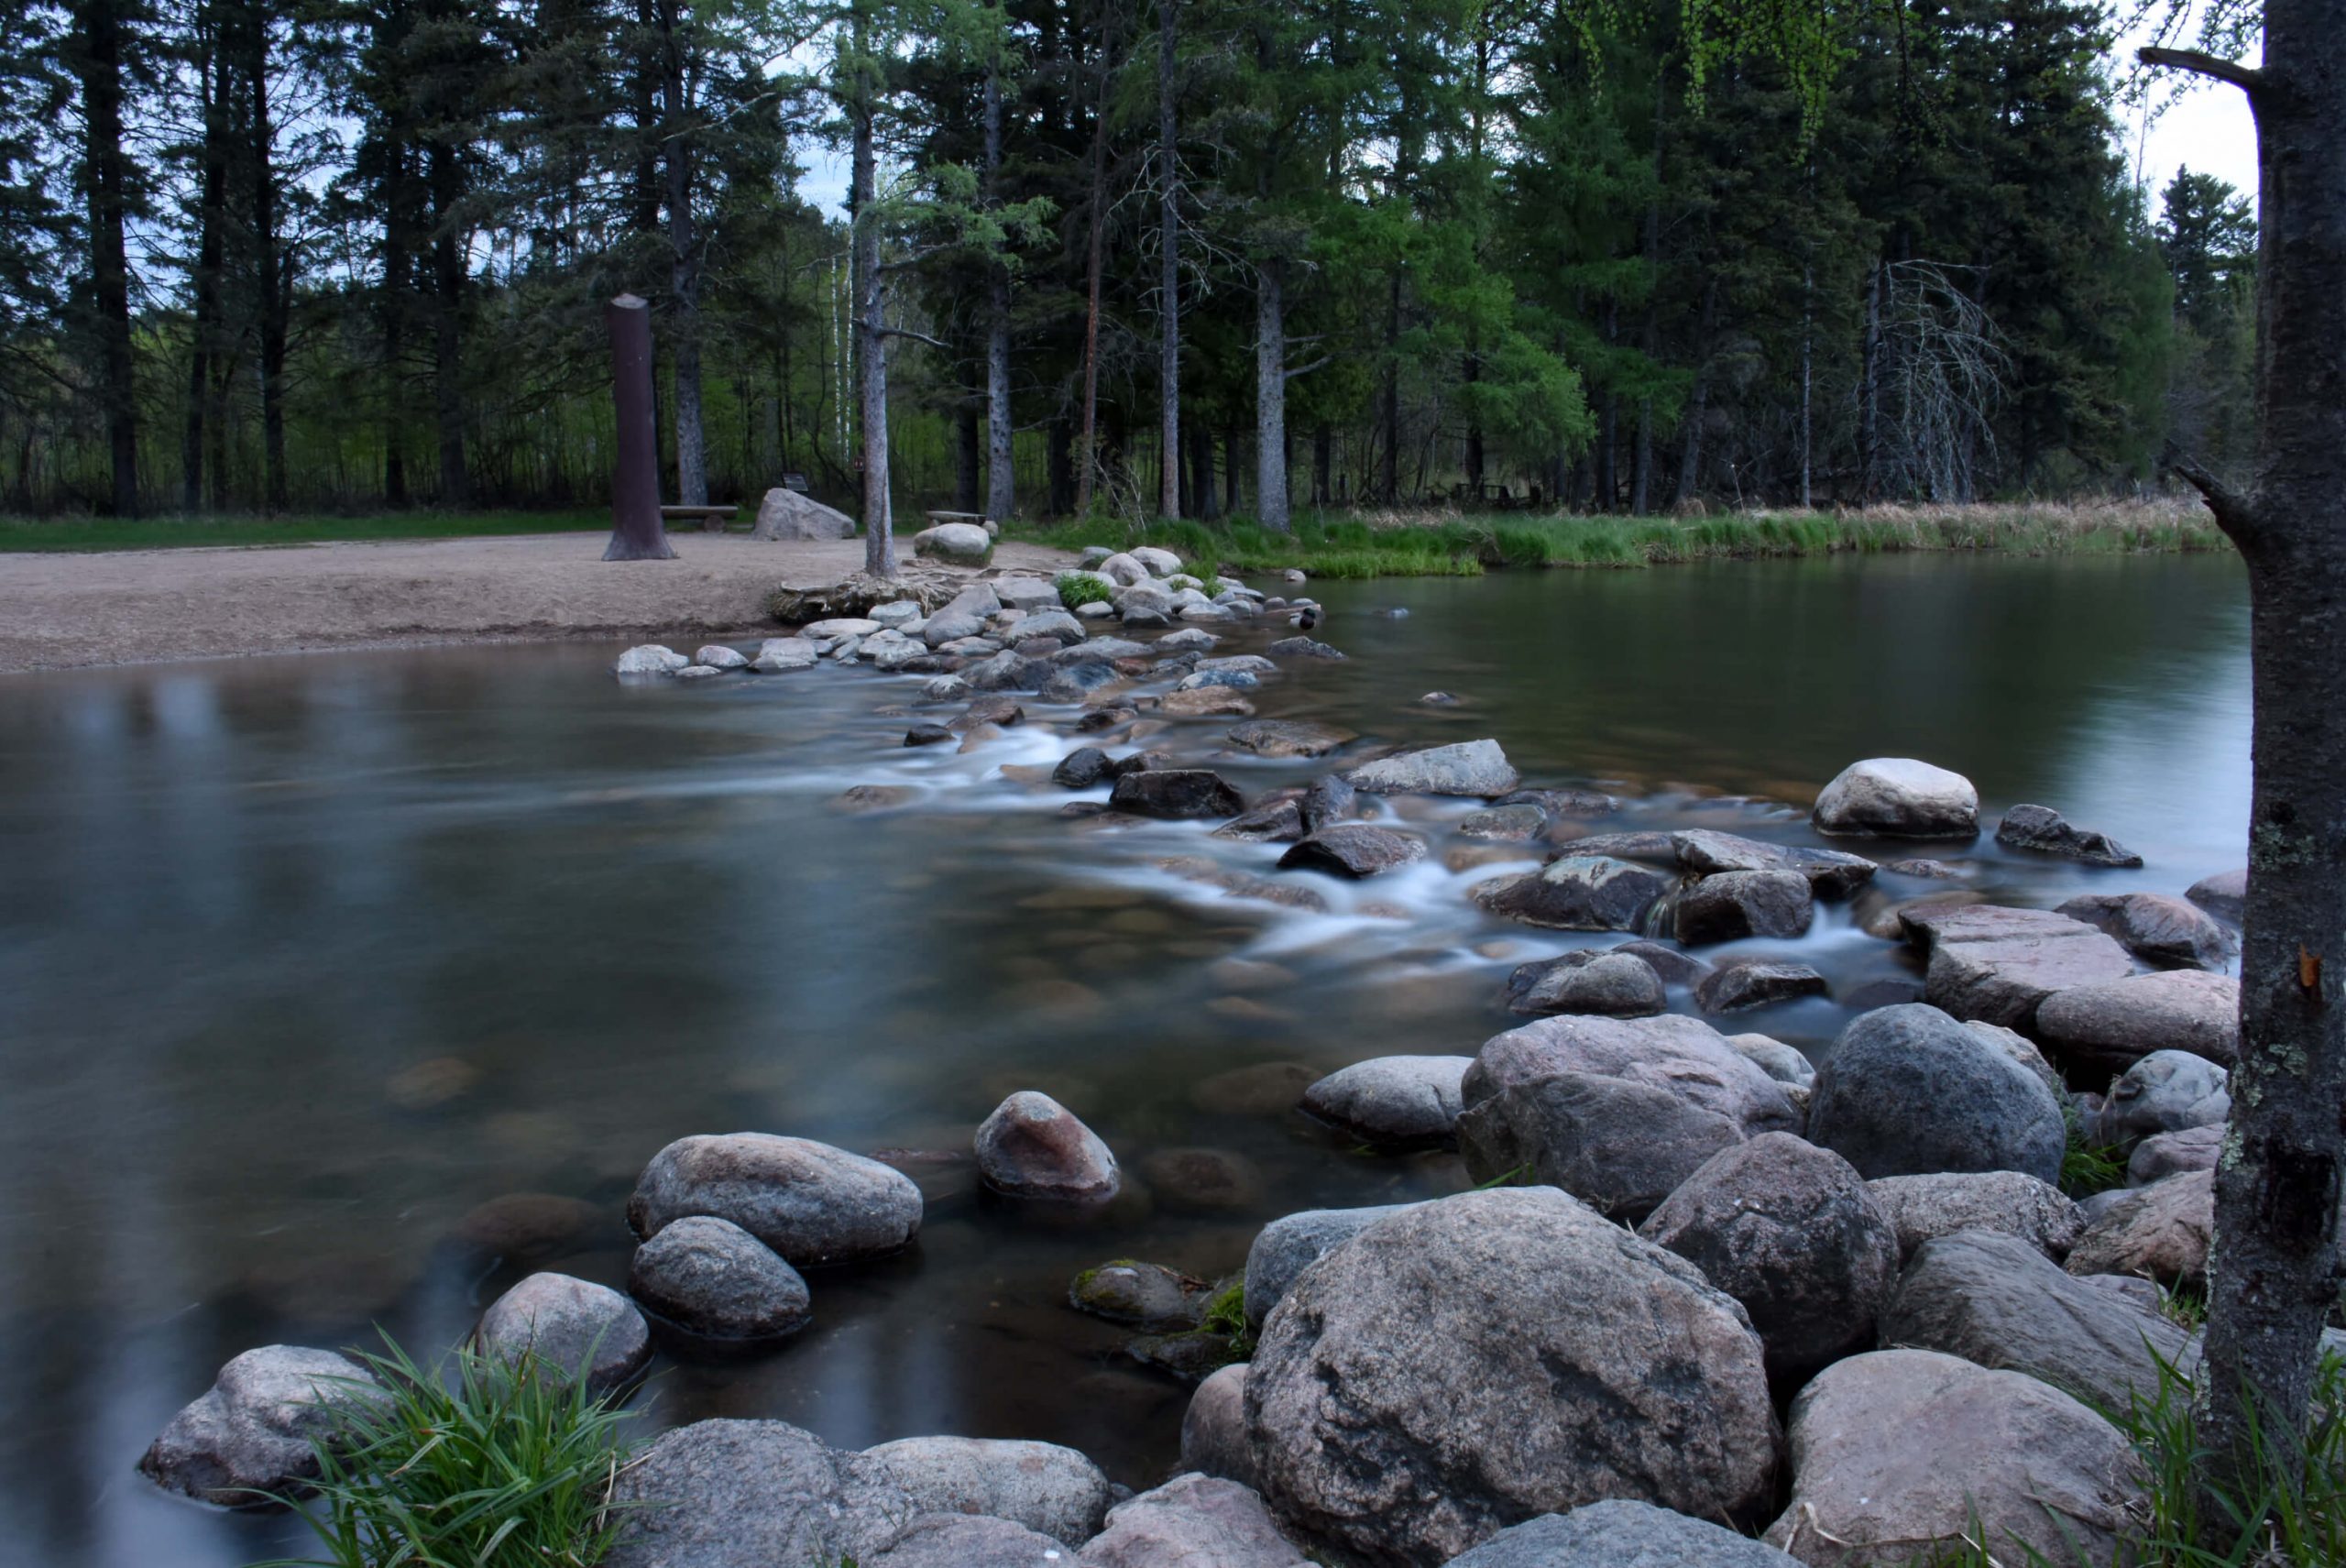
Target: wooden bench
{"points": [[977, 519], [712, 520]]}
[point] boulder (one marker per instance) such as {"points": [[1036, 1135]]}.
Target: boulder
{"points": [[2044, 831], [1777, 1059], [1206, 702], [1277, 822], [2001, 965], [1188, 640], [1923, 1207], [929, 735], [779, 654], [246, 1441], [1157, 563], [1177, 792], [718, 656], [2165, 932], [1393, 1102], [2159, 1232], [1902, 1452], [2113, 1025], [2167, 1091], [1303, 648], [2163, 1155], [1033, 1147], [1897, 797], [735, 1493], [1831, 874], [650, 659], [1674, 963], [1731, 906], [1579, 893], [1683, 1055], [808, 1201], [1328, 800], [1618, 1146], [1998, 1302], [1289, 738], [1213, 1428], [1051, 1490], [570, 1327], [711, 1277], [1121, 569], [1621, 1534], [1790, 1231], [1354, 849], [1081, 768], [955, 544], [1907, 1090], [1466, 767], [2225, 895], [1192, 1521], [1140, 1295], [1056, 624], [1609, 983], [1504, 824], [1755, 982], [1286, 1247], [786, 514], [971, 1540], [1036, 596], [1464, 1364]]}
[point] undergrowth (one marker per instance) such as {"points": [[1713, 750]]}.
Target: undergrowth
{"points": [[1225, 1314]]}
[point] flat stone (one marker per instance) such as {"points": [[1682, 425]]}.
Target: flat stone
{"points": [[1466, 767], [1354, 849], [1206, 702], [1831, 873], [2044, 831], [1393, 1101], [2159, 930], [2113, 1025], [1999, 965], [1289, 738]]}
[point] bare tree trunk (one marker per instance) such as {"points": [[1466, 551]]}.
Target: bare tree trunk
{"points": [[1168, 220], [273, 269], [871, 344], [1001, 494], [212, 222], [1388, 400], [683, 268], [1870, 391], [1323, 454], [1807, 381], [1202, 493], [965, 457], [637, 532], [447, 342], [2273, 1270], [1088, 456], [108, 178], [1270, 396]]}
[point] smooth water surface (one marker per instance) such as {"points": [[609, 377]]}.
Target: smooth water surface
{"points": [[303, 958]]}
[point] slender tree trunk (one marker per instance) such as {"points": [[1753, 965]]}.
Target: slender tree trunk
{"points": [[447, 329], [1002, 493], [1093, 257], [212, 221], [272, 268], [1473, 435], [1168, 220], [1203, 496], [1388, 400], [1870, 392], [871, 343], [966, 457], [1323, 454], [1059, 466], [106, 173], [683, 269], [1698, 398], [1229, 472], [1270, 396], [1807, 351]]}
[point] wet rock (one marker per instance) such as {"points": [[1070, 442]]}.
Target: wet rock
{"points": [[1674, 964], [2044, 831], [1008, 670], [1579, 893], [2225, 895], [955, 544], [1213, 1428], [1286, 1247], [1289, 738], [1998, 1302], [2113, 1025], [946, 688], [1612, 984], [1466, 767], [1754, 983], [1303, 648], [1074, 683], [1831, 874], [1406, 1418], [711, 1277], [2167, 1091], [810, 1203], [839, 628], [1056, 624], [1354, 849], [1081, 768], [571, 1327], [735, 1494], [1920, 866], [1621, 1534], [1237, 680], [1900, 1452], [2163, 1155], [1907, 1090], [1047, 1488], [1177, 792], [1140, 1295], [1679, 1055], [529, 1227], [1618, 1146], [1999, 965], [1923, 1207], [1790, 1231], [1190, 639], [2161, 931], [1191, 1519], [1203, 1180], [650, 659], [248, 1437], [1731, 906], [929, 735], [1505, 823], [2159, 1232], [1278, 822], [1897, 797], [1777, 1059], [1206, 703], [1192, 1355], [1660, 848], [1328, 801], [1033, 1147], [1394, 1101], [718, 656], [971, 1540]]}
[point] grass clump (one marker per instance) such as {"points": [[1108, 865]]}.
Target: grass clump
{"points": [[1079, 588], [1225, 1314], [485, 1463], [2087, 1167]]}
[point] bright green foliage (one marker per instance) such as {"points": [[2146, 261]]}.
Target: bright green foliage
{"points": [[1079, 588], [479, 1465], [1225, 1314]]}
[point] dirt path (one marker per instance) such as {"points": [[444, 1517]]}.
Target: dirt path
{"points": [[62, 611]]}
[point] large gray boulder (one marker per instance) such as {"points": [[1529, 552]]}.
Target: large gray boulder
{"points": [[1995, 1300], [711, 1277], [1684, 1055], [955, 544], [1907, 1090], [1743, 983], [1611, 984], [2224, 894], [971, 1540], [1923, 1207], [1394, 1101], [1902, 1453], [246, 1441], [2114, 1024], [1621, 1534], [1051, 1490], [1831, 873], [2158, 929], [1033, 1147], [1354, 849], [1287, 1247], [1789, 1230], [1730, 905], [1467, 767], [2163, 1155], [2167, 1091], [1618, 1146], [1999, 965], [734, 1493], [2159, 1232], [810, 1203], [1897, 797], [1466, 1363], [1177, 793], [1192, 1521], [1213, 1428], [786, 514], [570, 1327], [1579, 893]]}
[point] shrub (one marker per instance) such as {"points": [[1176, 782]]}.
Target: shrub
{"points": [[1079, 588]]}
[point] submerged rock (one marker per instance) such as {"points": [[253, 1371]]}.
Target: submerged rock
{"points": [[711, 1277], [1177, 792], [1465, 767], [810, 1203], [1897, 797], [2045, 831], [1140, 1295], [1203, 1180], [1354, 849], [1033, 1147], [570, 1327], [248, 1439], [1579, 893], [1907, 1090], [1393, 1101]]}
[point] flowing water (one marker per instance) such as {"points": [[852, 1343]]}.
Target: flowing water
{"points": [[302, 960]]}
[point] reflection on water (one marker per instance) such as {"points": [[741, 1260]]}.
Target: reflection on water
{"points": [[302, 960]]}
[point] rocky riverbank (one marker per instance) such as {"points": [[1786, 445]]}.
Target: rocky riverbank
{"points": [[1719, 1303]]}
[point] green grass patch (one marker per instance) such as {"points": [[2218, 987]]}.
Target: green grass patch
{"points": [[1225, 1314], [1079, 588], [2088, 1167], [18, 534]]}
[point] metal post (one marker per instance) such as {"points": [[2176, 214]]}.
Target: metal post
{"points": [[637, 532]]}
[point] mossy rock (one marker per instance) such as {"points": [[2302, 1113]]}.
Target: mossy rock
{"points": [[1140, 1295]]}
